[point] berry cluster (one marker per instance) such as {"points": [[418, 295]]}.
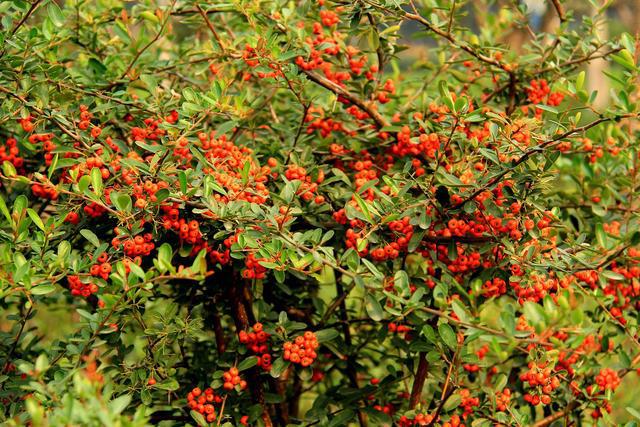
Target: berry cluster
{"points": [[103, 269], [539, 92], [396, 328], [425, 144], [203, 402], [418, 420], [81, 289], [45, 191], [232, 379], [9, 152], [147, 192], [256, 341], [308, 188], [26, 123], [227, 165], [494, 287], [468, 402], [608, 379], [540, 376], [136, 246], [302, 350], [253, 269], [503, 399]]}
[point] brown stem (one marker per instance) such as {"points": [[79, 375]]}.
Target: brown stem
{"points": [[559, 10], [340, 91], [241, 319], [420, 378], [512, 95], [379, 51], [446, 390], [294, 402], [280, 385], [534, 150], [16, 340], [210, 26], [556, 416], [221, 345], [352, 372], [449, 37], [32, 9], [145, 47]]}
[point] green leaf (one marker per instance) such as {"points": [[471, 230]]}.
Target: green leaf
{"points": [[182, 178], [326, 335], [198, 418], [533, 312], [612, 275], [401, 282], [625, 59], [453, 402], [121, 202], [547, 108], [342, 418], [165, 253], [147, 15], [460, 310], [580, 80], [448, 335], [278, 367], [373, 307], [36, 219], [247, 363], [43, 289], [8, 169], [137, 270], [633, 412], [364, 208], [601, 236], [96, 181], [169, 384], [5, 210], [225, 127], [119, 404], [90, 236], [55, 14]]}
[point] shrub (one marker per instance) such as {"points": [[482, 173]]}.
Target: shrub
{"points": [[266, 213]]}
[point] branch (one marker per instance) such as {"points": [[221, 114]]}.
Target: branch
{"points": [[351, 367], [144, 48], [32, 9], [418, 382], [16, 341], [447, 391], [379, 51], [590, 57], [537, 149], [241, 319], [41, 112], [481, 328], [340, 91], [221, 345], [447, 36], [211, 27], [559, 10], [551, 418]]}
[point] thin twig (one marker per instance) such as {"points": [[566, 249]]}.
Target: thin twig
{"points": [[342, 92], [211, 27], [144, 48]]}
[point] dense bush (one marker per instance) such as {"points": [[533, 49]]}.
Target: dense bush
{"points": [[266, 213]]}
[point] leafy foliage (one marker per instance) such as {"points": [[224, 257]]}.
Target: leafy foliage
{"points": [[257, 213]]}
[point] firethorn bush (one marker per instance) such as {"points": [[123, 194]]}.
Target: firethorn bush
{"points": [[269, 213]]}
